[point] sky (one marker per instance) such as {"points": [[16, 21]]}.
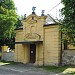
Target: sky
{"points": [[25, 7]]}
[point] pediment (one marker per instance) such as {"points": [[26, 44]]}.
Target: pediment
{"points": [[32, 18]]}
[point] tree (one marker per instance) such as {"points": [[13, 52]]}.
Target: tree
{"points": [[19, 23], [8, 19], [68, 21]]}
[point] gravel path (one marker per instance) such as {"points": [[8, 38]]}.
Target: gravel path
{"points": [[22, 69]]}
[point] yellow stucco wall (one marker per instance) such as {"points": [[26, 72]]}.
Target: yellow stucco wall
{"points": [[22, 53], [51, 45], [19, 35], [4, 48], [19, 53], [39, 54], [19, 48]]}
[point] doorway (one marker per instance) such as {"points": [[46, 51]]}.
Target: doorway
{"points": [[32, 53]]}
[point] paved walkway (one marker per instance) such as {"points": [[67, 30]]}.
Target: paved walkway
{"points": [[22, 69]]}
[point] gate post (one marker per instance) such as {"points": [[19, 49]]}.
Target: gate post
{"points": [[4, 49]]}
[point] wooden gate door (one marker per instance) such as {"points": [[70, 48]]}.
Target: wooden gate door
{"points": [[32, 53]]}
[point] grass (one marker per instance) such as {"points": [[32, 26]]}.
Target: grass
{"points": [[8, 62], [64, 69]]}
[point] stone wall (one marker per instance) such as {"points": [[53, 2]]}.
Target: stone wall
{"points": [[68, 57], [8, 56]]}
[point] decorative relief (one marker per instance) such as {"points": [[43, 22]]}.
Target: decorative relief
{"points": [[32, 29], [32, 21], [32, 36]]}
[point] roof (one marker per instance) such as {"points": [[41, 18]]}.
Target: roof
{"points": [[49, 20], [21, 27], [51, 24]]}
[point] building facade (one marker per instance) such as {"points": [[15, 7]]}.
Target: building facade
{"points": [[38, 41]]}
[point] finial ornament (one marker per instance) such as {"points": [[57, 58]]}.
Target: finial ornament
{"points": [[24, 16], [33, 9], [42, 12]]}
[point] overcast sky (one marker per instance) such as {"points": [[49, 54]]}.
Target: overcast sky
{"points": [[25, 6]]}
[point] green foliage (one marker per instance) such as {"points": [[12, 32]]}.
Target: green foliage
{"points": [[7, 4], [55, 69], [65, 70], [8, 19], [68, 22], [19, 23]]}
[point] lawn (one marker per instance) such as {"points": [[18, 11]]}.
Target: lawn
{"points": [[64, 69], [8, 62]]}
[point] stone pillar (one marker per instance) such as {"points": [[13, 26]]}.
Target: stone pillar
{"points": [[39, 54], [4, 49]]}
